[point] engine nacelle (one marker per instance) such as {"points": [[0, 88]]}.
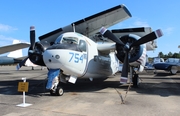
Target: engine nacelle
{"points": [[137, 54], [36, 55]]}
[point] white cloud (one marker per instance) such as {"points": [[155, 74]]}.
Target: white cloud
{"points": [[6, 28], [6, 40], [140, 24], [168, 30]]}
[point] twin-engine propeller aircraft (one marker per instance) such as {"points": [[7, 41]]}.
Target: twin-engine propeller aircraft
{"points": [[86, 49]]}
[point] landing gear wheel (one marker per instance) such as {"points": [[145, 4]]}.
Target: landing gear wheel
{"points": [[136, 80], [173, 70], [59, 91]]}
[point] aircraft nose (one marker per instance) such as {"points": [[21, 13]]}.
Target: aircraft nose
{"points": [[51, 58], [50, 55]]}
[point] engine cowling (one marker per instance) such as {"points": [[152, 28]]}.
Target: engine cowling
{"points": [[136, 52], [36, 55]]}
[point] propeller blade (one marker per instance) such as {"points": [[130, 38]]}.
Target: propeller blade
{"points": [[22, 63], [124, 74], [108, 34], [149, 37], [32, 37]]}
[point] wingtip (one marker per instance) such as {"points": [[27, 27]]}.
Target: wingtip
{"points": [[126, 10]]}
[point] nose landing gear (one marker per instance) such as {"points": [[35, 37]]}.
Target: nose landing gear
{"points": [[57, 91]]}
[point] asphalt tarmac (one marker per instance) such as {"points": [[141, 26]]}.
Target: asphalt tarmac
{"points": [[157, 95]]}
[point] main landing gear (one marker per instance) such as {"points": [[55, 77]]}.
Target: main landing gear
{"points": [[135, 80], [134, 77]]}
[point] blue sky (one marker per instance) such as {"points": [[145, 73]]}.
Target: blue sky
{"points": [[16, 16]]}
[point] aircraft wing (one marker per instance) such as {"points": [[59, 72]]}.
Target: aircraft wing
{"points": [[13, 47], [21, 58], [91, 25]]}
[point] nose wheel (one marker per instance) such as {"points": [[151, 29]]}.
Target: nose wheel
{"points": [[57, 92]]}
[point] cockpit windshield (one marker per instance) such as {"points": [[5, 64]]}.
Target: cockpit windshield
{"points": [[70, 40]]}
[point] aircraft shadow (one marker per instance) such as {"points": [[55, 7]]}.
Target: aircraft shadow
{"points": [[37, 87], [163, 89]]}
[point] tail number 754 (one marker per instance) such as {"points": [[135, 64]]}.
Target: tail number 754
{"points": [[75, 57]]}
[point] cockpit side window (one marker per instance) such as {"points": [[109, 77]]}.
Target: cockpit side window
{"points": [[70, 40], [82, 45], [58, 40]]}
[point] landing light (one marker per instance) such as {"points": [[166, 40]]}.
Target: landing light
{"points": [[57, 56]]}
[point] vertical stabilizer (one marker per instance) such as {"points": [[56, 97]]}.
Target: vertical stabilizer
{"points": [[16, 53]]}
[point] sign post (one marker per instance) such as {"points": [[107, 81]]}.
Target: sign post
{"points": [[23, 87]]}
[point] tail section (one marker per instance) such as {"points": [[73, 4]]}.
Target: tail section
{"points": [[16, 53]]}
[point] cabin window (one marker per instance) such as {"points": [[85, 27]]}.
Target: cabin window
{"points": [[58, 40], [172, 60], [82, 45]]}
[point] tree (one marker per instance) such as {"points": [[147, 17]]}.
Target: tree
{"points": [[176, 55], [161, 55], [170, 54]]}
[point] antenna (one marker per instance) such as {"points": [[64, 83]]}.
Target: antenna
{"points": [[74, 27]]}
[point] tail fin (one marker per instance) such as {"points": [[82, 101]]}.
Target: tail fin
{"points": [[16, 53]]}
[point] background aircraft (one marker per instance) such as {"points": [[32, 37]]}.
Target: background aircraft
{"points": [[27, 63], [86, 49], [15, 55]]}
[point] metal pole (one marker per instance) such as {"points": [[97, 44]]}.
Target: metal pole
{"points": [[24, 80]]}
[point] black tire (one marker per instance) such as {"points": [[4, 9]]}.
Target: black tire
{"points": [[52, 93], [136, 80], [59, 91]]}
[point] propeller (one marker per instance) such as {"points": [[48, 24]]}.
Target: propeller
{"points": [[31, 48], [108, 34], [32, 37], [149, 37], [22, 63]]}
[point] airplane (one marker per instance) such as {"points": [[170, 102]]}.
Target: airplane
{"points": [[15, 55], [86, 49]]}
